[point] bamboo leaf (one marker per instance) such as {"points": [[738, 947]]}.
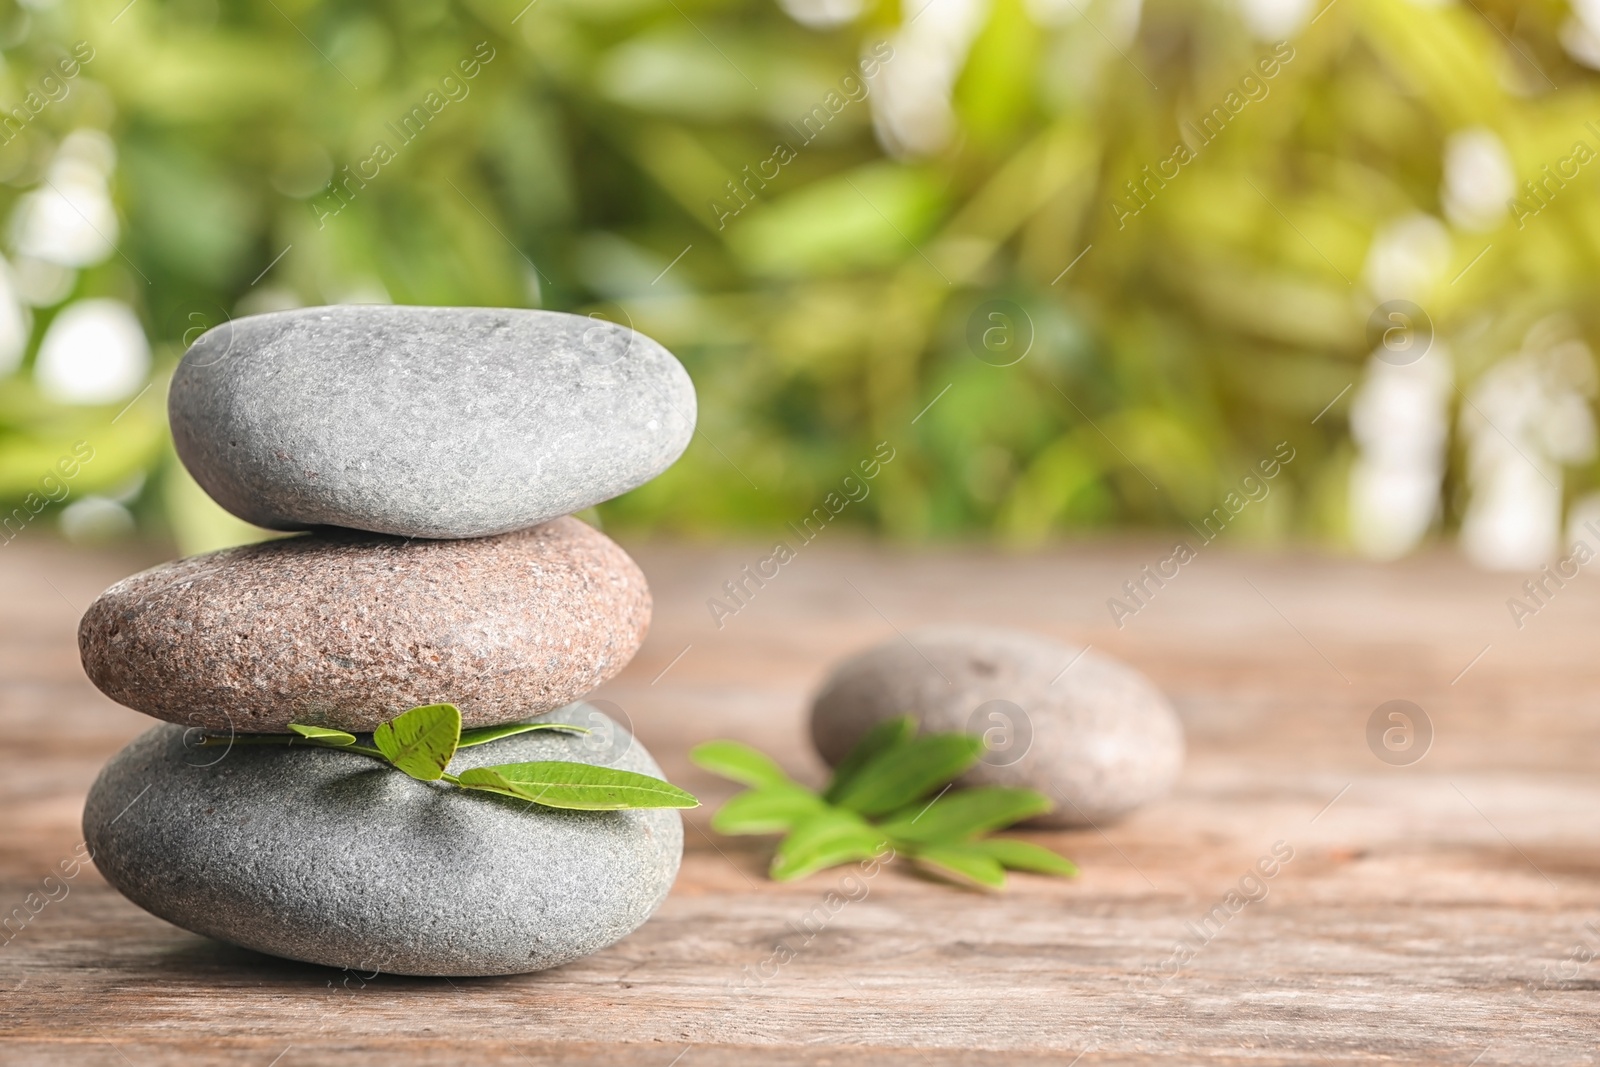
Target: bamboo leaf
{"points": [[897, 776], [826, 839], [769, 810], [964, 864], [889, 734], [1017, 855], [322, 735], [739, 762], [582, 786], [482, 735], [422, 741], [961, 815]]}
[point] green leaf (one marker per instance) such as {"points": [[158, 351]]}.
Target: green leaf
{"points": [[743, 764], [891, 733], [421, 742], [1024, 856], [558, 784], [961, 815], [482, 735], [323, 735], [771, 809], [962, 863], [897, 776], [826, 839]]}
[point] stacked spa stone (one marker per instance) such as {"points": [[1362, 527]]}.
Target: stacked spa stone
{"points": [[435, 456]]}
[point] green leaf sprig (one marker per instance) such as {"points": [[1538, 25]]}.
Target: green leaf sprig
{"points": [[877, 800], [422, 742]]}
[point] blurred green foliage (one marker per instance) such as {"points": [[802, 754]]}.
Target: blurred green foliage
{"points": [[592, 152]]}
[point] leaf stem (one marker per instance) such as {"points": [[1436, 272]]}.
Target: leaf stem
{"points": [[286, 740], [213, 740]]}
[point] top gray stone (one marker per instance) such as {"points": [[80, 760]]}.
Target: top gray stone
{"points": [[425, 422]]}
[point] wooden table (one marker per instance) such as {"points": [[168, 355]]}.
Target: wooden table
{"points": [[1437, 913]]}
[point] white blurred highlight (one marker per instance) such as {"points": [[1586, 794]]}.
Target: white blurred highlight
{"points": [[1528, 416], [1400, 421], [94, 352], [43, 284], [1478, 179], [911, 105], [95, 520], [267, 298], [15, 323], [1580, 34], [363, 291], [1407, 258], [69, 220], [822, 14], [1584, 512], [1274, 20], [1117, 19]]}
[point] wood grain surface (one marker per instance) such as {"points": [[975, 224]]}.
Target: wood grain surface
{"points": [[1442, 913]]}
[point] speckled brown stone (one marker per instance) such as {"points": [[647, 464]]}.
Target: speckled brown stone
{"points": [[346, 630]]}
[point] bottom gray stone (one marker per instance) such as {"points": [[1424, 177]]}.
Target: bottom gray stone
{"points": [[333, 858]]}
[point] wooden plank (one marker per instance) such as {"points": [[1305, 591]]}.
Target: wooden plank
{"points": [[1438, 913]]}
